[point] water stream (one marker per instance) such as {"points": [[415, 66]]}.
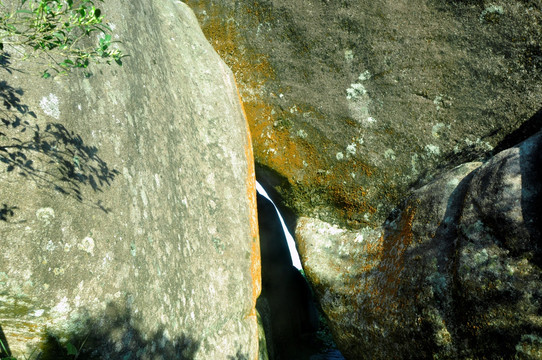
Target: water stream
{"points": [[295, 329]]}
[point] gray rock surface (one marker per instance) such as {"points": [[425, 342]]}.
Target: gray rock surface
{"points": [[127, 222], [353, 102], [454, 273]]}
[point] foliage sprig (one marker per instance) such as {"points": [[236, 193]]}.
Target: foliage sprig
{"points": [[58, 31]]}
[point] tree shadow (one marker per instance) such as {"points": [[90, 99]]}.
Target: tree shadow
{"points": [[238, 356], [52, 156], [111, 336]]}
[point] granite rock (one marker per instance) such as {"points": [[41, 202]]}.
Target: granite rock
{"points": [[128, 222]]}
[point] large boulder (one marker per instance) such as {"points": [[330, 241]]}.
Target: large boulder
{"points": [[128, 221], [352, 102], [455, 272]]}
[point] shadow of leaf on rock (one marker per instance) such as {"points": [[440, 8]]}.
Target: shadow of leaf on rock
{"points": [[6, 211], [113, 335], [51, 155], [238, 356]]}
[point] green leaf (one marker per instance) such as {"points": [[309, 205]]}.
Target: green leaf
{"points": [[66, 63], [46, 75], [72, 350], [60, 35]]}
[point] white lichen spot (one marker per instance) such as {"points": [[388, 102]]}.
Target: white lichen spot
{"points": [[339, 156], [360, 141], [157, 180], [305, 164], [58, 271], [355, 91], [144, 197], [212, 204], [371, 120], [302, 133], [348, 55], [366, 75], [37, 313], [359, 239], [87, 245], [50, 106], [351, 149], [436, 130], [353, 175], [332, 230], [491, 11], [438, 101], [389, 154], [45, 215], [79, 107], [50, 246], [432, 149]]}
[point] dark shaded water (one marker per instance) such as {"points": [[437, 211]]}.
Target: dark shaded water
{"points": [[329, 355], [294, 327]]}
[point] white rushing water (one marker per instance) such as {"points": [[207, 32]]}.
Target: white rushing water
{"points": [[289, 239]]}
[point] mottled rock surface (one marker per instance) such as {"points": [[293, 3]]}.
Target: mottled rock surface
{"points": [[352, 102], [453, 273], [128, 223]]}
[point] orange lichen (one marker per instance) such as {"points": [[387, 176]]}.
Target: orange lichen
{"points": [[255, 254], [274, 129], [391, 262], [379, 267]]}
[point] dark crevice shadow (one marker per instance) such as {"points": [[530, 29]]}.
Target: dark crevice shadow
{"points": [[52, 156], [474, 152], [270, 180], [114, 336], [286, 304], [526, 130], [530, 161]]}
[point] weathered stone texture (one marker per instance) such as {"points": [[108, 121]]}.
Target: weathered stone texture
{"points": [[352, 102], [454, 273], [128, 222]]}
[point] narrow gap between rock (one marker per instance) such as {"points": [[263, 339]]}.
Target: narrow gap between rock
{"points": [[294, 327]]}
